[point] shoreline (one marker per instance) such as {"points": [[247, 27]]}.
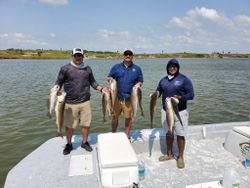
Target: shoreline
{"points": [[63, 54]]}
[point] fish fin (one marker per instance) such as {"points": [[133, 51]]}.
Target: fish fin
{"points": [[175, 102], [59, 134], [142, 113], [49, 115], [134, 119], [151, 125]]}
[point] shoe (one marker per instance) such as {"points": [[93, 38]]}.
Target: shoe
{"points": [[67, 149], [180, 163], [166, 157], [86, 146]]}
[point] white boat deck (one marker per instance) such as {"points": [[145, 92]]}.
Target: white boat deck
{"points": [[205, 161]]}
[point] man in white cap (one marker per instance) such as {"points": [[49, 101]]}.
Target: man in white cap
{"points": [[77, 78], [127, 75]]}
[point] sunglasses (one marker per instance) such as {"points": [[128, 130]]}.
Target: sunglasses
{"points": [[78, 55], [128, 54]]}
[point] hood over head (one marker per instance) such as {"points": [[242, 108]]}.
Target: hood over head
{"points": [[173, 62]]}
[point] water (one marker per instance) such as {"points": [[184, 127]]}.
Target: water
{"points": [[222, 88]]}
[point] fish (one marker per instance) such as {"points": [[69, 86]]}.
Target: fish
{"points": [[135, 99], [140, 101], [169, 114], [171, 105], [106, 105], [152, 106], [113, 92], [52, 98], [59, 109], [176, 109]]}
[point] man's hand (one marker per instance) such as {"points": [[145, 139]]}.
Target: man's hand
{"points": [[105, 90], [178, 97], [138, 85], [110, 79]]}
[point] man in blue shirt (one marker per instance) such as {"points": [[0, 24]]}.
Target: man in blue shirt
{"points": [[180, 87], [127, 76]]}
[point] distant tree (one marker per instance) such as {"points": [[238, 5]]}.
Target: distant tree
{"points": [[39, 53]]}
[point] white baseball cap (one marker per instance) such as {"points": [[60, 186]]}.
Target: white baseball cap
{"points": [[77, 51], [128, 50]]}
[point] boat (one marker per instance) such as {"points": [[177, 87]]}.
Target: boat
{"points": [[211, 150]]}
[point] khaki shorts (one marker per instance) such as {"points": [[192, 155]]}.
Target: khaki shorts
{"points": [[75, 114], [122, 106], [178, 128]]}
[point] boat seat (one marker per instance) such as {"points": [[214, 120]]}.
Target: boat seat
{"points": [[244, 130], [117, 160], [236, 136]]}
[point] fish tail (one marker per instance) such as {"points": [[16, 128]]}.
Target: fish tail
{"points": [[134, 119], [104, 119], [59, 134], [151, 125], [49, 115], [142, 113]]}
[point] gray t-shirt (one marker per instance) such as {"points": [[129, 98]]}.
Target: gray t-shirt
{"points": [[76, 82]]}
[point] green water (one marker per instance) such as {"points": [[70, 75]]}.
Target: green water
{"points": [[222, 89]]}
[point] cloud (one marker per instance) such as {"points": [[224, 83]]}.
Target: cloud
{"points": [[52, 35], [4, 35], [118, 40], [207, 30], [186, 22], [196, 17], [243, 20], [19, 35], [54, 2], [105, 33], [20, 40], [210, 14]]}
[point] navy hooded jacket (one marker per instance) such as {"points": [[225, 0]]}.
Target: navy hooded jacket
{"points": [[178, 85]]}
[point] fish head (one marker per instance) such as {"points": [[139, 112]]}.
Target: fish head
{"points": [[134, 91], [61, 96], [168, 104], [175, 100], [113, 84], [168, 100]]}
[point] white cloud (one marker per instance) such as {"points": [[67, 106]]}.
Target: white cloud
{"points": [[207, 30], [105, 33], [54, 2], [186, 22], [19, 35], [243, 19], [196, 17], [4, 35], [20, 40], [210, 14], [118, 40], [52, 35]]}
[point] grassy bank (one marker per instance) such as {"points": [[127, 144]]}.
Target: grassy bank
{"points": [[64, 54]]}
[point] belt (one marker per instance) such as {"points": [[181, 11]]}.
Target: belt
{"points": [[124, 100]]}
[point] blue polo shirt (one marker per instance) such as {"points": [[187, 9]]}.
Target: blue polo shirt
{"points": [[126, 78]]}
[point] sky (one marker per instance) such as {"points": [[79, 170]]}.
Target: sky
{"points": [[145, 26]]}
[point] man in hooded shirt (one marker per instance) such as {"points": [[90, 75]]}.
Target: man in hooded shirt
{"points": [[180, 87], [77, 78]]}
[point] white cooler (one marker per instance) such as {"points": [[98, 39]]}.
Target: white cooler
{"points": [[117, 160]]}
